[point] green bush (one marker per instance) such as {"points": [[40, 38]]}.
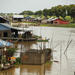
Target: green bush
{"points": [[11, 51], [68, 18], [18, 61]]}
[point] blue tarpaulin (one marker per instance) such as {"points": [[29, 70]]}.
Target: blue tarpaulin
{"points": [[5, 43]]}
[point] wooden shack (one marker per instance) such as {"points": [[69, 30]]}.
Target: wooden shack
{"points": [[8, 32], [36, 57]]}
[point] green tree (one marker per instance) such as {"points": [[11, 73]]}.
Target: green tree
{"points": [[38, 13], [18, 60], [45, 12], [66, 10], [48, 16], [27, 13], [42, 16], [68, 18]]}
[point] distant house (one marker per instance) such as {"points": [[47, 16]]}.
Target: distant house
{"points": [[3, 20], [28, 18], [17, 18], [44, 21], [50, 20], [57, 21], [38, 19]]}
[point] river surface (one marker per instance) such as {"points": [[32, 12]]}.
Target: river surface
{"points": [[59, 40]]}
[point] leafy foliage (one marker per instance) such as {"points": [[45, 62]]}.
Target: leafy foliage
{"points": [[38, 13], [11, 51], [68, 18], [54, 11], [27, 13], [61, 18], [18, 61]]}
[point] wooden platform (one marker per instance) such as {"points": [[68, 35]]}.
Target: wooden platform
{"points": [[35, 57]]}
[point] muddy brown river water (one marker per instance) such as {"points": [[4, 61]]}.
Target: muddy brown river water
{"points": [[58, 42]]}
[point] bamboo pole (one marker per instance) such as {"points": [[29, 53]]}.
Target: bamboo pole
{"points": [[67, 46], [68, 43]]}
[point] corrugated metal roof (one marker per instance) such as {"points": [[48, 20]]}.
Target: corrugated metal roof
{"points": [[28, 17], [18, 16], [3, 27], [52, 19]]}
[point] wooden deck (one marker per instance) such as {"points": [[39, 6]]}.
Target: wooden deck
{"points": [[18, 39]]}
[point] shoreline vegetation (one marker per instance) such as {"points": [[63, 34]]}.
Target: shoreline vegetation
{"points": [[17, 63]]}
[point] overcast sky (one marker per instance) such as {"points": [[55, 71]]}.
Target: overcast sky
{"points": [[17, 6]]}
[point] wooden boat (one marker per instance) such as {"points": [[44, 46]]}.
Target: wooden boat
{"points": [[42, 40]]}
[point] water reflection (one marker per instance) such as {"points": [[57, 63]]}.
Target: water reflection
{"points": [[8, 72], [23, 46], [28, 70], [34, 70]]}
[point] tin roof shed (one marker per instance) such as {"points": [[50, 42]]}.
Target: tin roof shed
{"points": [[18, 16]]}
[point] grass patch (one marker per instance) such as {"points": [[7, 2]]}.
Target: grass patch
{"points": [[72, 25], [49, 62]]}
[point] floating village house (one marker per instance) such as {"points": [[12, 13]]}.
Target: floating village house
{"points": [[18, 18], [7, 31]]}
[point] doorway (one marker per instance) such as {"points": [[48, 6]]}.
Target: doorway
{"points": [[5, 34]]}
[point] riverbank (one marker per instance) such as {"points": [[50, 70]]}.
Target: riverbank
{"points": [[60, 25], [72, 25]]}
